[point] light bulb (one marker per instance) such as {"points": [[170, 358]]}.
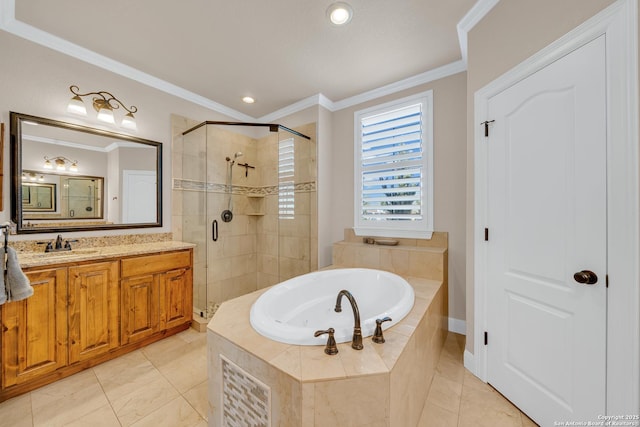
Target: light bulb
{"points": [[76, 106], [340, 13], [105, 114], [129, 122]]}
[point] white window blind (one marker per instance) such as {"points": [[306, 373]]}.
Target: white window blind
{"points": [[286, 184], [393, 169]]}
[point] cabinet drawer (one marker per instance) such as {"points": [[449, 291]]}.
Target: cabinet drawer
{"points": [[155, 263]]}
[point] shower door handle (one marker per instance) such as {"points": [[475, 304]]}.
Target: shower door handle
{"points": [[214, 230]]}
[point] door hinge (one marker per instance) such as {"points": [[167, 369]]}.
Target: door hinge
{"points": [[486, 338], [486, 127], [486, 234], [606, 280]]}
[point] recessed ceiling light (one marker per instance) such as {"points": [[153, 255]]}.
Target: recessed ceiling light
{"points": [[248, 100], [339, 13]]}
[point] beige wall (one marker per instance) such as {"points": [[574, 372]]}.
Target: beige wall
{"points": [[512, 32], [449, 180]]}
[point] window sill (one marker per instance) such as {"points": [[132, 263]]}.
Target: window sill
{"points": [[404, 234]]}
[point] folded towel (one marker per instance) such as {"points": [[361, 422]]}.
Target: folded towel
{"points": [[16, 282]]}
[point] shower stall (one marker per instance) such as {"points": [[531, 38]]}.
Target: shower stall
{"points": [[245, 195]]}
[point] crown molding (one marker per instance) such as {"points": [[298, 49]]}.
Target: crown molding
{"points": [[468, 21], [310, 101], [408, 83], [9, 23]]}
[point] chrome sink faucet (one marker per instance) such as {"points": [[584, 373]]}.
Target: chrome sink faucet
{"points": [[356, 342]]}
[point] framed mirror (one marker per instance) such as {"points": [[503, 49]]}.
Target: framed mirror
{"points": [[68, 177], [38, 197]]}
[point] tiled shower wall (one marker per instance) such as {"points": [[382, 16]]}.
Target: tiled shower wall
{"points": [[257, 248]]}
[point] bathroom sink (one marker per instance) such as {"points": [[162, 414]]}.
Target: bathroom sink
{"points": [[67, 253]]}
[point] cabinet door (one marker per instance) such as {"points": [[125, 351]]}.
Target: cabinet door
{"points": [[34, 330], [140, 308], [93, 310], [175, 298]]}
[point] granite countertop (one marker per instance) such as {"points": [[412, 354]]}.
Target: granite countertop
{"points": [[37, 259]]}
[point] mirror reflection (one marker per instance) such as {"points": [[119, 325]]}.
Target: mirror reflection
{"points": [[71, 177], [61, 197], [39, 197]]}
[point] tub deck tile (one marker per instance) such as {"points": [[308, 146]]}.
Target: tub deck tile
{"points": [[361, 362], [317, 366], [289, 361], [391, 350]]}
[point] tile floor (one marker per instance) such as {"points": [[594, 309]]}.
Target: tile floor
{"points": [[165, 384], [458, 398]]}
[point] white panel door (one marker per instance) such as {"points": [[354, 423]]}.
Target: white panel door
{"points": [[139, 203], [547, 221]]}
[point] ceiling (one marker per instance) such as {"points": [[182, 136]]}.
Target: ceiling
{"points": [[277, 51]]}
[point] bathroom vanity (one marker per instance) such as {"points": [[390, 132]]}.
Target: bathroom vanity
{"points": [[90, 306]]}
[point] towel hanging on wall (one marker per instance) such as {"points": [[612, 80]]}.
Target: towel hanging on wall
{"points": [[16, 283]]}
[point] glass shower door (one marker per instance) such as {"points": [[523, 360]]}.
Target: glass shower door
{"points": [[194, 211]]}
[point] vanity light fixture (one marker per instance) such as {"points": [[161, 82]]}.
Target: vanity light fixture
{"points": [[61, 163], [31, 176], [340, 13], [104, 103]]}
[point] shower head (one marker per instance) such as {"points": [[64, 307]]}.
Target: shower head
{"points": [[235, 156]]}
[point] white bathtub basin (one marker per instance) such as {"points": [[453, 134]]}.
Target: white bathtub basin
{"points": [[291, 311]]}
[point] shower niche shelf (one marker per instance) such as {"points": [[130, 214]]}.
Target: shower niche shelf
{"points": [[256, 204]]}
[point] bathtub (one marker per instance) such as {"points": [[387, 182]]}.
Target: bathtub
{"points": [[291, 311]]}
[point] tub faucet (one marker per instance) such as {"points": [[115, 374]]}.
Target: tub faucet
{"points": [[356, 342]]}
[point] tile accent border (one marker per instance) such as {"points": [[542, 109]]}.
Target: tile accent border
{"points": [[213, 187]]}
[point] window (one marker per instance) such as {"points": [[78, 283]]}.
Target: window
{"points": [[286, 185], [394, 168]]}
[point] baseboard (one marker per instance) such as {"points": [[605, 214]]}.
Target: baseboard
{"points": [[458, 326], [469, 362], [199, 323]]}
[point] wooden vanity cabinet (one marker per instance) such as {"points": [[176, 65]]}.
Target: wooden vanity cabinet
{"points": [[156, 294], [93, 310], [34, 330], [82, 314], [140, 308]]}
